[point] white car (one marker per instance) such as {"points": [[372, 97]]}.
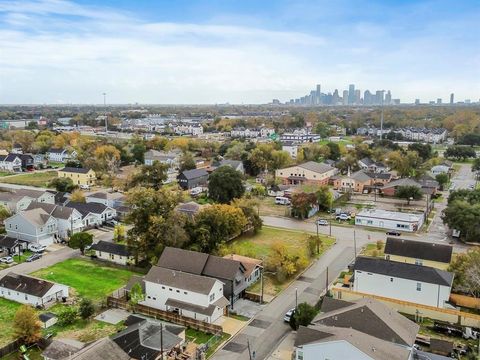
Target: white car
{"points": [[6, 260], [84, 187], [36, 248], [196, 191], [343, 217], [289, 315]]}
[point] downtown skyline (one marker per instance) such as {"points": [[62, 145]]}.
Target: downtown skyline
{"points": [[207, 52]]}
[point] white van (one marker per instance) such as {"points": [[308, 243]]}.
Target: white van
{"points": [[280, 200]]}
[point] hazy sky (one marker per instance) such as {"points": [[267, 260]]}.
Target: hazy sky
{"points": [[245, 51]]}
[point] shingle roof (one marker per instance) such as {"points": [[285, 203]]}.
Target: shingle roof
{"points": [[370, 317], [403, 270], [7, 242], [111, 248], [371, 346], [86, 208], [75, 170], [316, 167], [419, 250], [57, 211], [222, 268], [26, 284], [103, 349], [194, 173], [180, 280], [36, 216], [44, 317], [60, 349], [56, 150]]}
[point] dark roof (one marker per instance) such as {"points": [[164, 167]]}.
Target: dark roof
{"points": [[307, 335], [44, 317], [60, 349], [56, 150], [57, 211], [419, 250], [102, 349], [111, 248], [189, 261], [194, 173], [180, 280], [199, 263], [135, 319], [7, 242], [26, 284], [331, 304], [76, 170], [403, 270], [439, 346], [86, 208]]}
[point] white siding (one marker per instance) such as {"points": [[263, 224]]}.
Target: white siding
{"points": [[117, 259], [401, 289], [333, 350], [56, 292]]}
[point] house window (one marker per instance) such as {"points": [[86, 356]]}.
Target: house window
{"points": [[419, 286], [163, 287], [391, 279], [170, 289], [418, 262], [26, 297], [178, 291], [185, 292], [212, 297]]}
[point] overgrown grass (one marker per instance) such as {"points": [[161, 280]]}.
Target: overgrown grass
{"points": [[89, 279], [7, 313], [31, 179]]}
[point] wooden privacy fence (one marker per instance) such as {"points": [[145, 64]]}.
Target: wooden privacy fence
{"points": [[450, 315], [465, 301], [167, 316], [10, 347]]}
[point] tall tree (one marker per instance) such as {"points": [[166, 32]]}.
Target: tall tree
{"points": [[324, 198], [187, 162], [335, 152], [151, 176], [26, 325], [225, 184], [442, 180], [302, 203], [409, 192], [303, 316], [80, 241]]}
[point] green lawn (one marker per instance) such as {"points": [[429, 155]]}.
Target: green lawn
{"points": [[7, 313], [89, 279], [31, 179]]}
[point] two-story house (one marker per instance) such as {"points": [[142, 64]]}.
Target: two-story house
{"points": [[372, 166], [418, 252], [79, 176], [16, 200], [11, 162], [69, 220], [33, 226], [61, 155], [402, 281], [195, 296], [190, 179], [93, 214]]}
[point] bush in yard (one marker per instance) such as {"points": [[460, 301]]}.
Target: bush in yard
{"points": [[63, 184], [304, 314], [67, 316], [86, 308], [80, 241], [379, 245], [26, 324]]}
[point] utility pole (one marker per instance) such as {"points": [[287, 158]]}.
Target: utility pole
{"points": [[354, 244], [261, 285], [296, 298], [105, 107], [161, 341], [249, 350], [326, 281]]}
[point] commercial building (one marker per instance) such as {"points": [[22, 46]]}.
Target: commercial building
{"points": [[391, 220], [310, 172]]}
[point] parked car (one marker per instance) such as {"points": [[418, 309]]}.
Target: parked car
{"points": [[34, 257], [288, 315], [84, 187], [196, 191], [112, 222], [36, 248], [6, 260], [322, 222], [393, 233], [281, 200], [343, 217]]}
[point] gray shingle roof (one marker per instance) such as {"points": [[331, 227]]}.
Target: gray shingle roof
{"points": [[57, 211], [194, 173], [316, 167], [111, 248], [180, 280], [26, 284], [75, 170], [419, 250], [405, 271]]}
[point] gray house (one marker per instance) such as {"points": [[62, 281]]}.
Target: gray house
{"points": [[231, 272], [190, 179]]}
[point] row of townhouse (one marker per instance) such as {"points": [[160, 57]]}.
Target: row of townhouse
{"points": [[434, 135], [241, 132], [14, 162], [194, 129], [61, 155]]}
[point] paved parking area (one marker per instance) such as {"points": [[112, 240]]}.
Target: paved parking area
{"points": [[113, 316], [247, 308], [102, 233]]}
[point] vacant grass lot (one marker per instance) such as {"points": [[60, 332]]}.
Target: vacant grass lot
{"points": [[31, 179], [89, 279], [7, 313]]}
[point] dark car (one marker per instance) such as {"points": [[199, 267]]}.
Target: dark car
{"points": [[393, 233], [33, 257]]}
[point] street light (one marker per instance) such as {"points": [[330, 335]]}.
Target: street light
{"points": [[296, 298]]}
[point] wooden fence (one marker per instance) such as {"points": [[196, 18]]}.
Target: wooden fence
{"points": [[167, 316], [450, 315], [465, 301], [10, 347]]}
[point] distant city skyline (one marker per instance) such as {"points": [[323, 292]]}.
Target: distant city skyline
{"points": [[213, 51]]}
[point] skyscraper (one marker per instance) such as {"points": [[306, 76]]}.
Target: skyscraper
{"points": [[439, 101], [351, 94], [417, 101], [388, 98], [345, 97], [335, 98], [379, 97], [452, 96], [357, 96], [318, 95]]}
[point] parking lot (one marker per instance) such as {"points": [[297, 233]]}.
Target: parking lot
{"points": [[102, 233]]}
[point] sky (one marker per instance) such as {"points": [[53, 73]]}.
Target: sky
{"points": [[240, 52]]}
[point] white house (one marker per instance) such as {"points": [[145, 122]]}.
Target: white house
{"points": [[291, 147], [11, 162], [391, 220], [93, 213], [61, 155], [69, 220], [17, 200], [111, 199], [195, 296], [112, 252], [29, 290], [402, 281], [440, 169], [34, 226]]}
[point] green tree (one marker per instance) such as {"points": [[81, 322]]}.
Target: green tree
{"points": [[460, 152], [250, 209], [155, 224], [151, 176], [26, 324], [335, 153], [303, 316], [67, 315], [225, 184], [409, 192], [4, 213], [476, 165], [187, 162], [442, 180], [63, 184], [324, 198], [280, 159], [423, 150], [136, 295], [138, 152], [80, 241], [86, 308], [466, 268], [462, 215], [119, 233]]}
